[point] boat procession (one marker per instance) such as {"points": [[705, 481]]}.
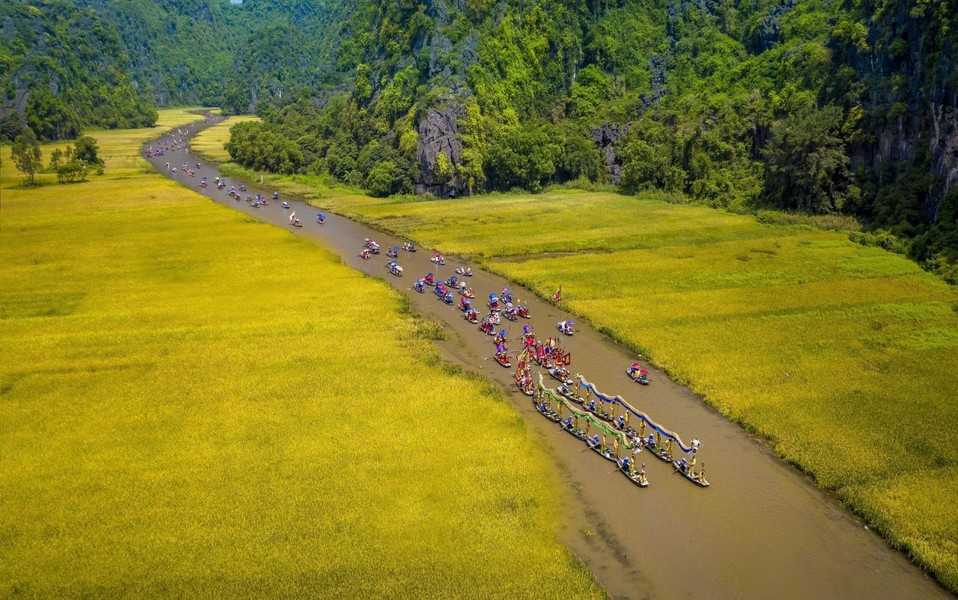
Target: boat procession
{"points": [[607, 424]]}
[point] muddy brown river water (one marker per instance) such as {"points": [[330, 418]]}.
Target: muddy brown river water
{"points": [[761, 530]]}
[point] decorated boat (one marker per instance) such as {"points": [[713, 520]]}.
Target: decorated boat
{"points": [[394, 268], [409, 247], [487, 326], [510, 314], [523, 312], [393, 252], [467, 292], [502, 357], [464, 304], [494, 303], [464, 271], [566, 327], [429, 279], [420, 286], [438, 258], [561, 374], [471, 315]]}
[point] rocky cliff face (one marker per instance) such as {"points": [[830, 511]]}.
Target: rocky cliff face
{"points": [[438, 133], [606, 137]]}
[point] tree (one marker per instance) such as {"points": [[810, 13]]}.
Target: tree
{"points": [[383, 179], [26, 155], [86, 150], [808, 167]]}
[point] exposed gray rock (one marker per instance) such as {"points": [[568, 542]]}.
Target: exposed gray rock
{"points": [[438, 132], [606, 137]]}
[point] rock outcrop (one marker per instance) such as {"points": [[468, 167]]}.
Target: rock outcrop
{"points": [[606, 137], [439, 133]]}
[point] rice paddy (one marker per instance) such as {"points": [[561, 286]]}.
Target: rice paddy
{"points": [[844, 357], [197, 404], [210, 142]]}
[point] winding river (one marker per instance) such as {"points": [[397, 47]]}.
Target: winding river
{"points": [[762, 530]]}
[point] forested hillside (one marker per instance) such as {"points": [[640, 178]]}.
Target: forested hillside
{"points": [[70, 64], [63, 67], [809, 105]]}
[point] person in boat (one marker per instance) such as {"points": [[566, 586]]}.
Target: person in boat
{"points": [[620, 422], [625, 464], [595, 440], [651, 441], [683, 465], [568, 423], [591, 406], [320, 218]]}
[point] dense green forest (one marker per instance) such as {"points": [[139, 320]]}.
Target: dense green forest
{"points": [[843, 107], [63, 67], [803, 105]]}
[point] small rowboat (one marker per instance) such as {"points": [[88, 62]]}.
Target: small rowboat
{"points": [[638, 478], [597, 448], [660, 453], [543, 409], [683, 467], [565, 391]]}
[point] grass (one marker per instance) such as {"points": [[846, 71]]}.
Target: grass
{"points": [[844, 357], [197, 404]]}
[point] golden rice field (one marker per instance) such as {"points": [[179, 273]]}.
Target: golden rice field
{"points": [[210, 142], [845, 357], [197, 404]]}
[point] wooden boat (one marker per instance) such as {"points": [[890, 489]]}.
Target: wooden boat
{"points": [[569, 427], [560, 374], [638, 478], [660, 452], [567, 392], [543, 409], [604, 453], [687, 470]]}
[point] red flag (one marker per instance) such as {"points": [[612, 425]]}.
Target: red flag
{"points": [[556, 296]]}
